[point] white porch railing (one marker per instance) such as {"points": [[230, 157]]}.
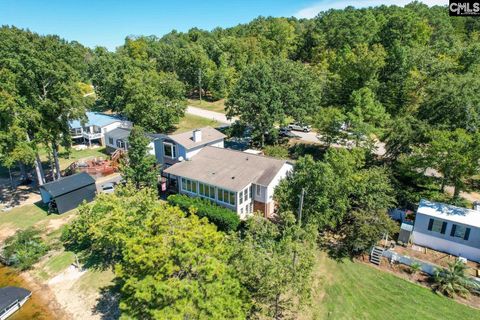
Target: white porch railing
{"points": [[90, 136]]}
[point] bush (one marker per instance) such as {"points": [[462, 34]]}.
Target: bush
{"points": [[24, 249], [223, 218], [276, 151]]}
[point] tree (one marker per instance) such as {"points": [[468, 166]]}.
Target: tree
{"points": [[153, 100], [334, 187], [455, 154], [24, 249], [367, 116], [102, 227], [139, 168], [329, 123], [267, 92], [275, 264], [453, 281], [177, 269]]}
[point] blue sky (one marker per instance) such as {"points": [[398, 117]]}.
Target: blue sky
{"points": [[108, 22]]}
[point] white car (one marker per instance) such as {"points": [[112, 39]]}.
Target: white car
{"points": [[108, 187], [299, 127]]}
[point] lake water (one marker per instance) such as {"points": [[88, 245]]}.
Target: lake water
{"points": [[36, 308]]}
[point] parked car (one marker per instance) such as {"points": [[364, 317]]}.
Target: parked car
{"points": [[300, 127], [286, 132], [108, 187]]}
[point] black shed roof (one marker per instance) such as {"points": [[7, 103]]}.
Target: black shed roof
{"points": [[68, 184], [8, 295]]}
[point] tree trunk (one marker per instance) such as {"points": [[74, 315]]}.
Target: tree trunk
{"points": [[456, 191], [38, 167], [58, 173], [11, 178], [444, 182], [39, 170], [276, 315]]}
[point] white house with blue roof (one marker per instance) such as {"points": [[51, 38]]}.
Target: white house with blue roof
{"points": [[96, 126], [448, 228]]}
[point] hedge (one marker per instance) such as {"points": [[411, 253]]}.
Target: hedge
{"points": [[223, 218]]}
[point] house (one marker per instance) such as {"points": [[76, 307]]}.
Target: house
{"points": [[69, 192], [96, 126], [233, 179], [448, 228], [169, 149], [118, 139]]}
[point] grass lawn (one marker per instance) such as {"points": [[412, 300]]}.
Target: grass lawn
{"points": [[190, 122], [351, 290], [217, 106], [26, 216], [66, 160]]}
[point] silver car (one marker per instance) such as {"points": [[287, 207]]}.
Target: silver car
{"points": [[299, 127], [108, 187]]}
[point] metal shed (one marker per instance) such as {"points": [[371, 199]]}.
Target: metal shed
{"points": [[405, 233], [69, 192]]}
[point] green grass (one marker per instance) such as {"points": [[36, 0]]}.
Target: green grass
{"points": [[190, 122], [217, 106], [93, 280], [55, 264], [65, 160], [28, 215], [357, 291]]}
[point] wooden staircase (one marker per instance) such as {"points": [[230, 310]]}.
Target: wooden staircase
{"points": [[376, 255]]}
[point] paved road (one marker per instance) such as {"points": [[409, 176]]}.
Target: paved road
{"points": [[217, 116]]}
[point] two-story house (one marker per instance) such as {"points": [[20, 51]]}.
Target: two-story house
{"points": [[236, 180], [96, 126]]}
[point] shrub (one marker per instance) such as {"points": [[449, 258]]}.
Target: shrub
{"points": [[276, 151], [24, 248], [453, 280], [223, 218]]}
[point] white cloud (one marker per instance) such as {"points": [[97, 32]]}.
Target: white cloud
{"points": [[312, 11]]}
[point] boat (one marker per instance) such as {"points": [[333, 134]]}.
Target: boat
{"points": [[11, 300]]}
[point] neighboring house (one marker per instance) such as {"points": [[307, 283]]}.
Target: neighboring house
{"points": [[69, 192], [96, 126], [169, 149], [233, 179], [118, 139], [448, 228]]}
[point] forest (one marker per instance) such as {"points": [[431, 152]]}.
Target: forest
{"points": [[405, 76]]}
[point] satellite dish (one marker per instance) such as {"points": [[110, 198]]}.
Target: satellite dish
{"points": [[180, 159]]}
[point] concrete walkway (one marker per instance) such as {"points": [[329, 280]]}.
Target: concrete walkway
{"points": [[217, 116]]}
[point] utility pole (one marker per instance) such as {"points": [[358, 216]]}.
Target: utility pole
{"points": [[300, 209], [200, 84]]}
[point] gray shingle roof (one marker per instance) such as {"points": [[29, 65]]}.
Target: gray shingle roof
{"points": [[229, 169], [68, 184], [8, 295], [185, 139]]}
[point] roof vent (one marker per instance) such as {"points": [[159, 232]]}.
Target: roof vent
{"points": [[233, 178], [197, 135]]}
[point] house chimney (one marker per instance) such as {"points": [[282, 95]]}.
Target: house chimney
{"points": [[476, 205], [197, 135]]}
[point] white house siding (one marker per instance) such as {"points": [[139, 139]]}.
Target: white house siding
{"points": [[280, 175], [447, 246], [469, 249]]}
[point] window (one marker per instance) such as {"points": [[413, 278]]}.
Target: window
{"points": [[226, 196], [189, 185], [258, 190], [241, 211], [169, 150], [460, 231], [250, 192], [240, 197], [110, 141], [245, 195], [206, 190], [437, 226], [120, 144]]}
